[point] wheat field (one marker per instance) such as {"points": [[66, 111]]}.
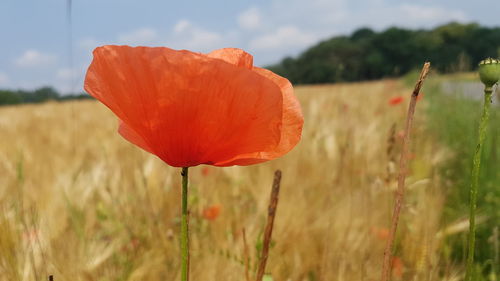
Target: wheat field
{"points": [[79, 202]]}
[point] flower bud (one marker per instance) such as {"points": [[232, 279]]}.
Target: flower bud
{"points": [[489, 71]]}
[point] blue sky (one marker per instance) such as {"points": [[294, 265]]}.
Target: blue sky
{"points": [[35, 42]]}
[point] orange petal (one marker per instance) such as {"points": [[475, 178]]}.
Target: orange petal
{"points": [[188, 108], [234, 56], [291, 125], [130, 135]]}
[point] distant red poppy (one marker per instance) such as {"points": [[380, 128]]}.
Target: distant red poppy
{"points": [[396, 100], [205, 171], [397, 267], [190, 108], [380, 233], [212, 212]]}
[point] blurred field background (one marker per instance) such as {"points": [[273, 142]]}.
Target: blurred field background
{"points": [[82, 204], [79, 202]]}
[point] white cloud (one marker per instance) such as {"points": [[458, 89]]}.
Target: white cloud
{"points": [[141, 36], [203, 40], [34, 58], [4, 79], [250, 19], [404, 15], [418, 13], [88, 43], [286, 27], [189, 36], [182, 26], [69, 80], [67, 74], [283, 37]]}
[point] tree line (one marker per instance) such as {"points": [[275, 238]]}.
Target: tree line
{"points": [[10, 97], [367, 54], [363, 55]]}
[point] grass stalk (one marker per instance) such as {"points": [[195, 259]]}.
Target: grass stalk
{"points": [[476, 166], [184, 227], [271, 214], [403, 163], [246, 256]]}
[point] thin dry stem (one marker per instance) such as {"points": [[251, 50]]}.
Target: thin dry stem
{"points": [[246, 255], [271, 214], [403, 162], [391, 156]]}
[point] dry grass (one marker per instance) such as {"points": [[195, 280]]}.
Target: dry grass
{"points": [[79, 202]]}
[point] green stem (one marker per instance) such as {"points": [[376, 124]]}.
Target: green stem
{"points": [[476, 165], [184, 227]]}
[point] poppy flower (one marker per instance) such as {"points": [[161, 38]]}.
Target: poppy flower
{"points": [[381, 233], [191, 108], [205, 171], [212, 212], [396, 100], [397, 267]]}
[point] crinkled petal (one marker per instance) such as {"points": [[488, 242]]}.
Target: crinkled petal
{"points": [[291, 128], [132, 136], [187, 107], [234, 56]]}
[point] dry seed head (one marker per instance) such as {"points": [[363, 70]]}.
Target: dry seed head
{"points": [[489, 71]]}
